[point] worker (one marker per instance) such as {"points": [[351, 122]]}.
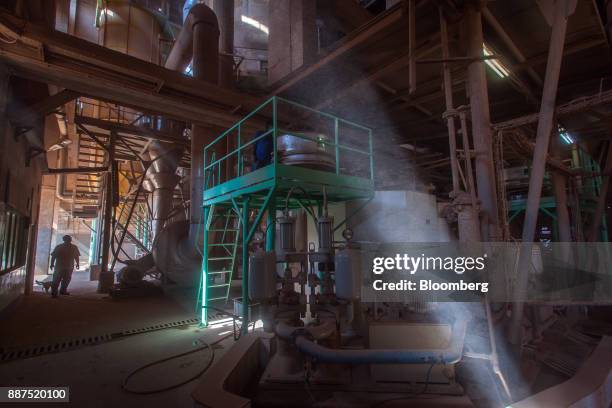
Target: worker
{"points": [[64, 258], [264, 147]]}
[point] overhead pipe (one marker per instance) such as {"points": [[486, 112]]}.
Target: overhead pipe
{"points": [[450, 355], [194, 14]]}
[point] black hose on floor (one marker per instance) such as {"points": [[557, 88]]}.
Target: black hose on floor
{"points": [[124, 384]]}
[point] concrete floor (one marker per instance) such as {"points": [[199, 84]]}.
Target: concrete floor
{"points": [[95, 373]]}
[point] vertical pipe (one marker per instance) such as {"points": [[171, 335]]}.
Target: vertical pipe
{"points": [[337, 147], [481, 125], [274, 132], [271, 225], [108, 204], [448, 95], [545, 125], [224, 9], [601, 201], [412, 46], [205, 68], [371, 151], [93, 242], [204, 280], [245, 265]]}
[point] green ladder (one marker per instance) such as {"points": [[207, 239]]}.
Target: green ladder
{"points": [[224, 234]]}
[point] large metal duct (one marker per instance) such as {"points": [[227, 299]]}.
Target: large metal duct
{"points": [[161, 181], [175, 249]]}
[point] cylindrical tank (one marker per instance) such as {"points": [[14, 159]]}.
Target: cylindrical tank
{"points": [[310, 152], [132, 30], [287, 234], [348, 274], [325, 226], [262, 275]]}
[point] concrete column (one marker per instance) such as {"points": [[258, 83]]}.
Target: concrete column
{"points": [[45, 228], [293, 36], [545, 126], [481, 125]]}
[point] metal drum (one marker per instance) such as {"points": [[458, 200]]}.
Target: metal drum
{"points": [[308, 151]]}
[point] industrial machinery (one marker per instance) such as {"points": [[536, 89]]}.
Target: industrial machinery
{"points": [[320, 342]]}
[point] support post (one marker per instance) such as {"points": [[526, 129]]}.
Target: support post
{"points": [[448, 95], [245, 265], [481, 124], [204, 289], [108, 214], [545, 125], [601, 201], [412, 46]]}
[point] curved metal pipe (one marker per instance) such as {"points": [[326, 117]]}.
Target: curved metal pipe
{"points": [[182, 51], [452, 354], [322, 331]]}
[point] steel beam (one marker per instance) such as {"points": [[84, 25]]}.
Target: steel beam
{"points": [[54, 57], [545, 127], [481, 126], [602, 200], [32, 113], [448, 94]]}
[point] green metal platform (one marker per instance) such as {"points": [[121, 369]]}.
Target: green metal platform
{"points": [[230, 186]]}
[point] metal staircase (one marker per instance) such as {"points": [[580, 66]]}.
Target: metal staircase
{"points": [[128, 224], [88, 186]]}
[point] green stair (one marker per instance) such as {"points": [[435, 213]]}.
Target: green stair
{"points": [[222, 248]]}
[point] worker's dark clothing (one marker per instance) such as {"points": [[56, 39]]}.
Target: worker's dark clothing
{"points": [[262, 153], [63, 257]]}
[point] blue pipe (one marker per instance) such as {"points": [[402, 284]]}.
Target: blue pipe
{"points": [[452, 354]]}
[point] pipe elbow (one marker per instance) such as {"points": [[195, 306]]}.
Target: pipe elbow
{"points": [[202, 14], [452, 354]]}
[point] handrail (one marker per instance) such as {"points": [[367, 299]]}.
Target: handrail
{"points": [[235, 136]]}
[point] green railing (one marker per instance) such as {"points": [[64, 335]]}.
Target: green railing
{"points": [[275, 109]]}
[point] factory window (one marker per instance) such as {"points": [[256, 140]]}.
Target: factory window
{"points": [[254, 23], [13, 238]]}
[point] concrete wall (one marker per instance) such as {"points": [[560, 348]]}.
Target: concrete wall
{"points": [[293, 36], [19, 184], [400, 216]]}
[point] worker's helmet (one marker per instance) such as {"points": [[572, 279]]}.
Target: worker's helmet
{"points": [[67, 238]]}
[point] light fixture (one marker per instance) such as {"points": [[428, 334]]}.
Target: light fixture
{"points": [[494, 64], [565, 136], [254, 23], [60, 144]]}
